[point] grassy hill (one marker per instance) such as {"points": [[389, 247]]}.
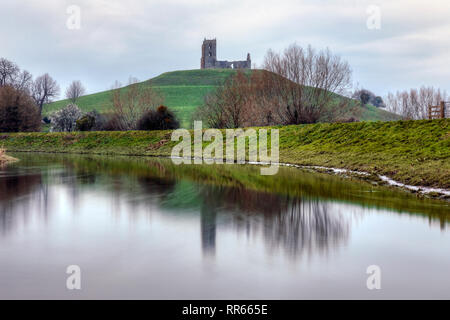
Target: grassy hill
{"points": [[185, 90]]}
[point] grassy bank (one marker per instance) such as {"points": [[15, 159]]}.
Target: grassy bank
{"points": [[412, 152]]}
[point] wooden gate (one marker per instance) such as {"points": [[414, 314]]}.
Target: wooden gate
{"points": [[439, 112]]}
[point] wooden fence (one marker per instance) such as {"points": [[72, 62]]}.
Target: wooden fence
{"points": [[439, 112]]}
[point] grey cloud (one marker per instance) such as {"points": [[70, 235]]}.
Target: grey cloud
{"points": [[146, 38]]}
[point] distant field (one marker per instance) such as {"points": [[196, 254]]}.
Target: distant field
{"points": [[185, 90]]}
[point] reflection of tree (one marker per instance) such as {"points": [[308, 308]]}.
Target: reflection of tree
{"points": [[155, 185], [16, 201], [24, 188], [297, 225], [208, 229], [307, 226]]}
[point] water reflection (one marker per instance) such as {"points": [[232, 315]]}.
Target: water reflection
{"points": [[145, 228], [208, 226], [309, 226], [19, 193], [294, 224], [297, 225]]}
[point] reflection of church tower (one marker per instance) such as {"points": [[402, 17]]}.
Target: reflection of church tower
{"points": [[208, 228]]}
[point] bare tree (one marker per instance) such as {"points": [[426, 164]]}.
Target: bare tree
{"points": [[310, 81], [10, 75], [18, 112], [116, 85], [131, 102], [44, 90], [230, 105], [413, 103], [8, 72], [212, 111], [132, 80], [24, 81], [233, 100], [75, 90]]}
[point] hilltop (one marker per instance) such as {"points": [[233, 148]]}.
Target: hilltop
{"points": [[184, 91]]}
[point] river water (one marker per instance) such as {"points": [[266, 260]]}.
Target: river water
{"points": [[143, 228]]}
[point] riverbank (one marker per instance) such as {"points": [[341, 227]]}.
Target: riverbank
{"points": [[415, 153]]}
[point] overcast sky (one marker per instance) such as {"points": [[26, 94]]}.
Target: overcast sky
{"points": [[117, 39]]}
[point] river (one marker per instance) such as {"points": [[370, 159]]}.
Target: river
{"points": [[144, 228]]}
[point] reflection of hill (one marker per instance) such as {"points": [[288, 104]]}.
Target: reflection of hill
{"points": [[294, 225], [293, 211], [184, 196], [288, 181]]}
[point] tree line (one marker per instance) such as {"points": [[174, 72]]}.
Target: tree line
{"points": [[297, 86], [135, 107], [300, 86], [22, 98], [413, 103]]}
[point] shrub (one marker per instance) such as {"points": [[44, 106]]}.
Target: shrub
{"points": [[160, 119], [101, 120], [94, 121], [65, 119], [130, 104], [106, 122], [346, 120], [366, 96], [85, 123], [18, 112]]}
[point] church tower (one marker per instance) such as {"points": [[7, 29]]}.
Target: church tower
{"points": [[209, 54], [209, 58]]}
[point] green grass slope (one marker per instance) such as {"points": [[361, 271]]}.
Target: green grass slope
{"points": [[185, 90], [413, 152], [372, 113]]}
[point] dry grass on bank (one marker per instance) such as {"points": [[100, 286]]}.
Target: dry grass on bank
{"points": [[5, 158]]}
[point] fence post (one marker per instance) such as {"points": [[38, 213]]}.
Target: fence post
{"points": [[429, 113], [442, 109]]}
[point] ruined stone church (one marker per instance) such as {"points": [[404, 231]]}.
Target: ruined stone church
{"points": [[209, 58]]}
